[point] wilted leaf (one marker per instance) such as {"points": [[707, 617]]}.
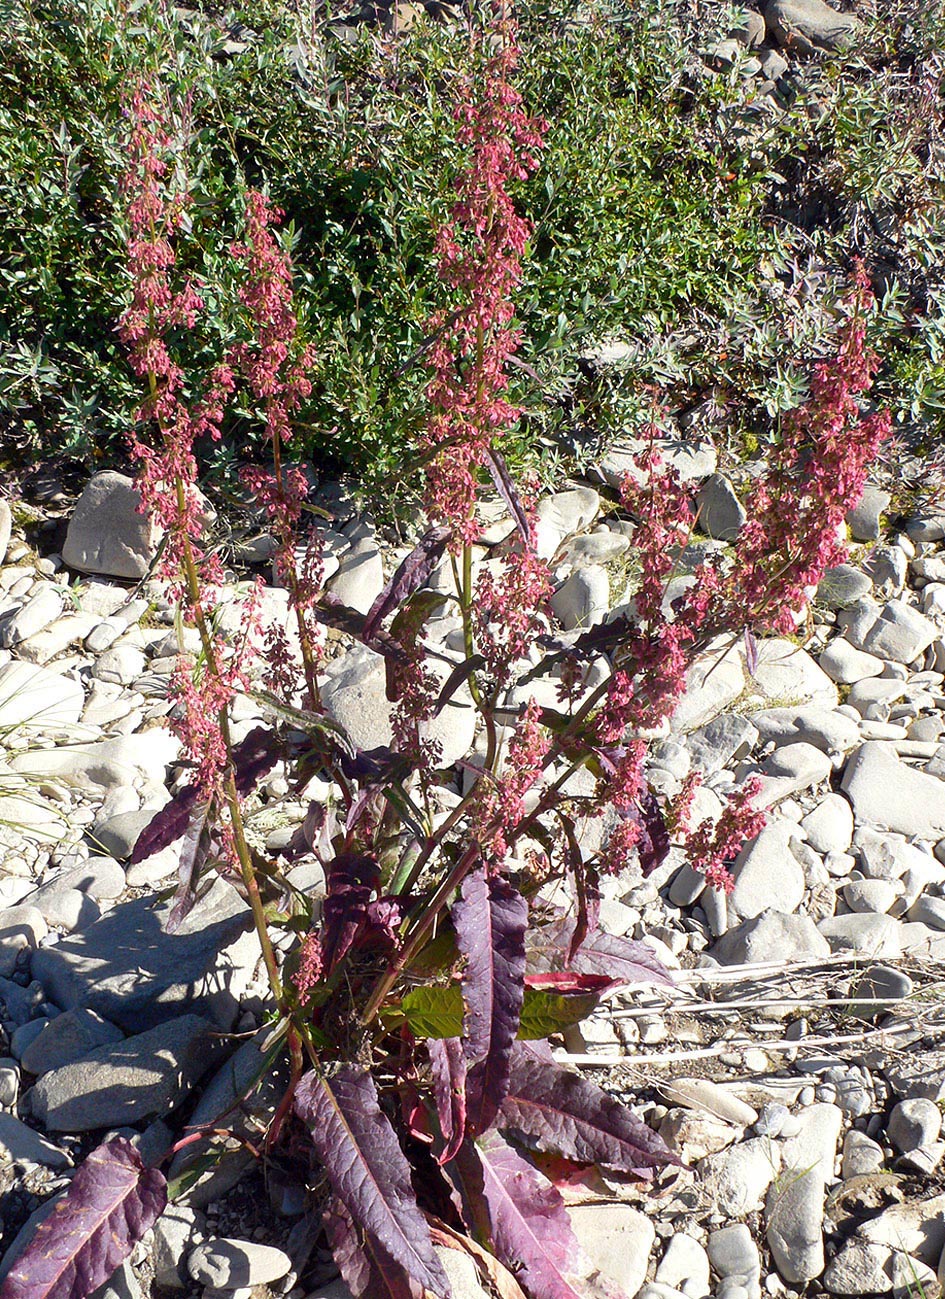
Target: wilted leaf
{"points": [[412, 573], [653, 842], [530, 1228], [496, 1274], [193, 854], [544, 1013], [490, 920], [112, 1203], [555, 1109], [448, 1066], [254, 757], [368, 1271], [503, 481], [166, 826], [600, 953], [571, 981], [367, 1169], [351, 883]]}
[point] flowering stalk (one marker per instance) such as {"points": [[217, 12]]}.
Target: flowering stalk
{"points": [[276, 369], [167, 474]]}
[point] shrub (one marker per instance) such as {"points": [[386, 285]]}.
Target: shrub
{"points": [[415, 1003]]}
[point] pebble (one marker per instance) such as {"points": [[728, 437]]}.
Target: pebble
{"points": [[914, 1123], [227, 1263]]}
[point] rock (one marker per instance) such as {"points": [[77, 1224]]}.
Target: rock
{"points": [[122, 1284], [721, 513], [733, 1253], [711, 1098], [583, 599], [65, 909], [842, 586], [359, 579], [617, 1239], [692, 461], [865, 517], [794, 1209], [900, 633], [355, 696], [915, 1227], [867, 934], [119, 834], [174, 1234], [869, 895], [242, 1094], [804, 764], [714, 745], [68, 1037], [826, 729], [860, 1269], [773, 65], [139, 1078], [122, 665], [38, 612], [462, 1274], [18, 1005], [21, 927], [6, 527], [227, 1263], [887, 793], [34, 699], [927, 525], [772, 936], [914, 1123], [106, 533], [685, 1262], [693, 1134], [829, 827], [809, 26], [101, 877], [112, 764], [882, 982], [928, 910], [786, 676], [887, 568], [714, 681], [21, 1145], [767, 875], [737, 1180], [845, 663], [561, 516], [128, 969], [861, 1155]]}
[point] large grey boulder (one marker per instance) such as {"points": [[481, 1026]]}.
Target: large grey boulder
{"points": [[106, 533], [886, 792], [129, 970], [809, 26], [125, 1082]]}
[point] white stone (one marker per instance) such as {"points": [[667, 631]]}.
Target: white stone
{"points": [[714, 681], [355, 695], [33, 699], [845, 663], [736, 1180], [618, 1240], [359, 579], [227, 1263], [106, 533], [767, 874], [900, 633], [685, 1261], [887, 793], [38, 612], [561, 516], [829, 827], [583, 599]]}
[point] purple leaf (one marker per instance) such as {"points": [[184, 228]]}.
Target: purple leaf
{"points": [[412, 573], [369, 1272], [368, 1171], [503, 481], [653, 843], [112, 1202], [252, 758], [331, 611], [490, 921], [600, 953], [351, 884], [448, 1065], [751, 652], [166, 826], [530, 1228], [194, 852], [551, 1108], [460, 673]]}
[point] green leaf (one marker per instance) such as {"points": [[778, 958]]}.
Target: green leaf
{"points": [[435, 1011], [545, 1013]]}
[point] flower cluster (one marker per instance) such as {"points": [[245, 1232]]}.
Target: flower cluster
{"points": [[480, 252], [796, 510]]}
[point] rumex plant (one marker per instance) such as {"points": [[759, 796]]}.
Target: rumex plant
{"points": [[419, 992]]}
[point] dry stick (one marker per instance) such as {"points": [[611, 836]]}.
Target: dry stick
{"points": [[755, 1003], [708, 1052]]}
